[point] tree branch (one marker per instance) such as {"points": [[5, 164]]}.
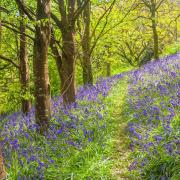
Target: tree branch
{"points": [[57, 21], [22, 6], [80, 9], [10, 61], [5, 66], [4, 10], [159, 4], [122, 20], [17, 31], [102, 16], [147, 4]]}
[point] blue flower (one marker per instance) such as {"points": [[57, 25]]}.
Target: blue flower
{"points": [[32, 158], [60, 131], [158, 138]]}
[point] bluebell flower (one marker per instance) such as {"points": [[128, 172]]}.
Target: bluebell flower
{"points": [[60, 131], [32, 158], [99, 115], [158, 138]]}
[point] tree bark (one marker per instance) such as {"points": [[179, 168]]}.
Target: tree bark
{"points": [[0, 31], [2, 170], [65, 65], [87, 66], [68, 89], [24, 67], [154, 29], [67, 27], [40, 65]]}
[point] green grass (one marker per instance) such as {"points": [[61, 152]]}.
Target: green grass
{"points": [[111, 161], [99, 163], [118, 112], [99, 159]]}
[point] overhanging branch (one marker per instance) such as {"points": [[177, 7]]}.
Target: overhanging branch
{"points": [[9, 60]]}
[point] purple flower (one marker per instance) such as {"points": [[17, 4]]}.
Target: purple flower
{"points": [[60, 131], [32, 158], [158, 138], [99, 115], [133, 166], [15, 144], [149, 144], [131, 129], [173, 74], [169, 148], [41, 164], [51, 161], [90, 139]]}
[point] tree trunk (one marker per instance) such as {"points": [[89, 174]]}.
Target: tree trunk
{"points": [[24, 67], [176, 29], [87, 67], [154, 29], [66, 66], [68, 89], [108, 66], [40, 65], [0, 29], [2, 170]]}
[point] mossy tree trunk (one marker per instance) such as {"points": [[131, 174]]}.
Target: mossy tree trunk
{"points": [[154, 29], [87, 65], [24, 66], [40, 65]]}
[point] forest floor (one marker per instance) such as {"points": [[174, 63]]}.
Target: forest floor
{"points": [[93, 141], [121, 150]]}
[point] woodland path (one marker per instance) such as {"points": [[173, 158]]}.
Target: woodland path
{"points": [[121, 154]]}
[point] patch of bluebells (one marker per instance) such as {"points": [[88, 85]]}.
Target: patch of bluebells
{"points": [[154, 101], [71, 130]]}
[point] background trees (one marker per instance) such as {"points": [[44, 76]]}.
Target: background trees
{"points": [[50, 48], [88, 39], [71, 44]]}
